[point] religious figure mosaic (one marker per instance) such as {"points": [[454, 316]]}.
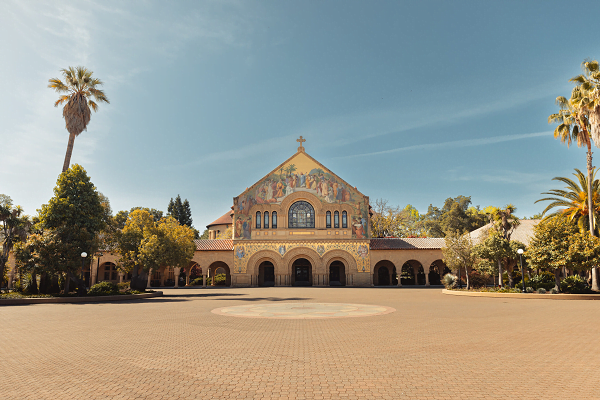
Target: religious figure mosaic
{"points": [[301, 174]]}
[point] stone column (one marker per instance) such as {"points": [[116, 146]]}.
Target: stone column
{"points": [[121, 275], [94, 273], [427, 278], [416, 273], [177, 271], [187, 278], [149, 277], [203, 280]]}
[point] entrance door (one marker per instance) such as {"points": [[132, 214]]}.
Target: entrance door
{"points": [[384, 276], [302, 272], [266, 274], [337, 274]]}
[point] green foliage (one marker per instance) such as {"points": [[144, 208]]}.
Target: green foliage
{"points": [[104, 289], [181, 211], [478, 279], [573, 202], [455, 216], [544, 280], [458, 252], [549, 247], [494, 250], [13, 229], [196, 282], [395, 222], [74, 217], [574, 284], [529, 289], [540, 290], [449, 281], [123, 286], [204, 234], [220, 279]]}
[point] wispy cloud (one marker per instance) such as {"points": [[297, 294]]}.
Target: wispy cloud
{"points": [[453, 144]]}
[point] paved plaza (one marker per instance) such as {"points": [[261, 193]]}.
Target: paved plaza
{"points": [[409, 344]]}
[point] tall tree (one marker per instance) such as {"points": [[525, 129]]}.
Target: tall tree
{"points": [[13, 228], [458, 253], [574, 203], [181, 211], [74, 214], [455, 215], [77, 91]]}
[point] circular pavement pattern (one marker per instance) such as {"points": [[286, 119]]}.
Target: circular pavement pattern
{"points": [[304, 310]]}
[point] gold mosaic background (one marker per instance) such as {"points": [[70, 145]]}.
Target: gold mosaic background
{"points": [[243, 252]]}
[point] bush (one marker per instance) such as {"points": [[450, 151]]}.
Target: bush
{"points": [[103, 289], [477, 279], [544, 280], [574, 284], [196, 282], [553, 291], [529, 289], [449, 281], [541, 290], [220, 279], [124, 286]]}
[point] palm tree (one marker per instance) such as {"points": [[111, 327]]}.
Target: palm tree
{"points": [[77, 92], [585, 97], [504, 222], [576, 203], [573, 202]]}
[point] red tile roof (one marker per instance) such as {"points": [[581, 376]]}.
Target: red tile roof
{"points": [[214, 244], [406, 243], [226, 219]]}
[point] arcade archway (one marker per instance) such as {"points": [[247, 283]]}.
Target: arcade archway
{"points": [[301, 272]]}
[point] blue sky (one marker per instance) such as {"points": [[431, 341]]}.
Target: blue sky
{"points": [[413, 101]]}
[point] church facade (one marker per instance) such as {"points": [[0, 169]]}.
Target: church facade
{"points": [[300, 225]]}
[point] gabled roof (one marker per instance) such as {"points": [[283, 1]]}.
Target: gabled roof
{"points": [[522, 233], [214, 244], [407, 243], [226, 219], [299, 153]]}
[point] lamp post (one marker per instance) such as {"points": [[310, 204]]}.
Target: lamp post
{"points": [[520, 251], [83, 256]]}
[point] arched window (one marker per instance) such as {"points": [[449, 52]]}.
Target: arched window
{"points": [[336, 219], [344, 219], [258, 220], [274, 220], [266, 220], [328, 220], [301, 215]]}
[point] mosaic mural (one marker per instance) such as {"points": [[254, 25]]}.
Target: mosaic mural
{"points": [[301, 174], [243, 252]]}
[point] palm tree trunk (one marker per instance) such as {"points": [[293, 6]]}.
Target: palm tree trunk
{"points": [[591, 209], [69, 152], [500, 283]]}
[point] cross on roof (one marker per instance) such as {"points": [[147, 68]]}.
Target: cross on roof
{"points": [[301, 140]]}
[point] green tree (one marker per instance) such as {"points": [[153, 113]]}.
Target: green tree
{"points": [[181, 211], [573, 203], [550, 245], [585, 97], [455, 215], [458, 253], [498, 251], [204, 234], [75, 215], [77, 91], [13, 228], [145, 245]]}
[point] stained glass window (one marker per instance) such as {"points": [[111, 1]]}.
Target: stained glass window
{"points": [[274, 220], [258, 220], [328, 219], [336, 219], [344, 219], [266, 220], [301, 215]]}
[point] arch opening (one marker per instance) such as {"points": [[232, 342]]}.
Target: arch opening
{"points": [[301, 272], [337, 274], [384, 273], [266, 274], [219, 274], [412, 273]]}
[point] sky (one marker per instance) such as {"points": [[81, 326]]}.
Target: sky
{"points": [[409, 101]]}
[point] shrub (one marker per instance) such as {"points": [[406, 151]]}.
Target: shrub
{"points": [[544, 280], [529, 289], [449, 281], [541, 290], [103, 289], [477, 279], [553, 291], [124, 286], [196, 282], [220, 279], [574, 284]]}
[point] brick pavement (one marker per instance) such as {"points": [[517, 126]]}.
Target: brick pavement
{"points": [[433, 346]]}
